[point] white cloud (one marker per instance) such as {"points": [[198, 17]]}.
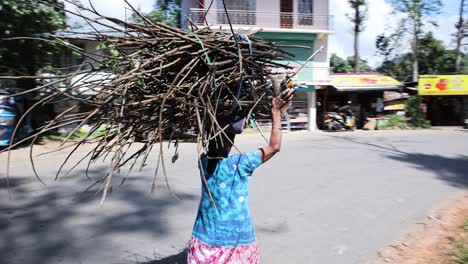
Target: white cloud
{"points": [[446, 30], [113, 8], [380, 20]]}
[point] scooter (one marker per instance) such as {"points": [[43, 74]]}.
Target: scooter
{"points": [[341, 120]]}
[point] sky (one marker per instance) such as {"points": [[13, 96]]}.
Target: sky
{"points": [[379, 20]]}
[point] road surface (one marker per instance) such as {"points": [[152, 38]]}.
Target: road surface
{"points": [[325, 198]]}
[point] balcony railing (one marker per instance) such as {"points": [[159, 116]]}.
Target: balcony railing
{"points": [[247, 18]]}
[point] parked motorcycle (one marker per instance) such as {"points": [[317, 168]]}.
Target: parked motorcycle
{"points": [[11, 109], [341, 120]]}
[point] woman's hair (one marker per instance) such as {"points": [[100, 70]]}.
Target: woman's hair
{"points": [[219, 148]]}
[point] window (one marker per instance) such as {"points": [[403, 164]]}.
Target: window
{"points": [[241, 12], [306, 10]]}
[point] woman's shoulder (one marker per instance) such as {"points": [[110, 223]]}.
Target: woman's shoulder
{"points": [[245, 157]]}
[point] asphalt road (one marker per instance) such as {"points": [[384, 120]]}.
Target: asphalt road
{"points": [[326, 198]]}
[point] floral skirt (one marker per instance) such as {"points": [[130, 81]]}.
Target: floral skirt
{"points": [[200, 253]]}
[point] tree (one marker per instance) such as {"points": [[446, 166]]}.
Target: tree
{"points": [[397, 67], [363, 65], [433, 57], [28, 18], [165, 11], [339, 65], [358, 17], [417, 14], [461, 27]]}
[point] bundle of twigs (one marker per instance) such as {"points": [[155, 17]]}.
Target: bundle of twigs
{"points": [[165, 83]]}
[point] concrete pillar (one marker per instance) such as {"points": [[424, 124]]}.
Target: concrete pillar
{"points": [[312, 110]]}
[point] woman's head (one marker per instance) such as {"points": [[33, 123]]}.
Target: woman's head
{"points": [[220, 146]]}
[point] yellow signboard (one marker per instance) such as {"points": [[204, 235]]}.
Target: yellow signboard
{"points": [[364, 80], [394, 106], [443, 85]]}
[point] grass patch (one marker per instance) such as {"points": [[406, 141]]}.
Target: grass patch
{"points": [[461, 247], [77, 134], [395, 121], [62, 136]]}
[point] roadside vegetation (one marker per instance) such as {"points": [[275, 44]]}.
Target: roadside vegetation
{"points": [[76, 135], [414, 118], [415, 113], [395, 122], [461, 247]]}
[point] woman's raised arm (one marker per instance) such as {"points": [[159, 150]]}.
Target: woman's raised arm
{"points": [[278, 104]]}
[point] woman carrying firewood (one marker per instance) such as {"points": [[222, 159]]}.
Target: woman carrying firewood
{"points": [[223, 232]]}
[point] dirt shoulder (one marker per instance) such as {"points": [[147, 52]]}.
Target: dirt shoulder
{"points": [[435, 238]]}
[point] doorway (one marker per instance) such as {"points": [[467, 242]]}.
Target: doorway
{"points": [[286, 15], [446, 111]]}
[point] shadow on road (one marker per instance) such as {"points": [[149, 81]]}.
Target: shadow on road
{"points": [[11, 183], [41, 226], [453, 170], [180, 258]]}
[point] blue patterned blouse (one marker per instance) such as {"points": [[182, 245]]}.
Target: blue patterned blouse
{"points": [[228, 224]]}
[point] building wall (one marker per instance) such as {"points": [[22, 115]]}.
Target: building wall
{"points": [[322, 60], [185, 10], [301, 54], [267, 14], [272, 6]]}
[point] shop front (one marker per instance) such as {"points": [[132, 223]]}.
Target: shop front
{"points": [[362, 92], [446, 98]]}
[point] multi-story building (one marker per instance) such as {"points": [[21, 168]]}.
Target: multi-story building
{"points": [[300, 26]]}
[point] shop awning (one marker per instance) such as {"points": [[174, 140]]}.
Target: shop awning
{"points": [[364, 82]]}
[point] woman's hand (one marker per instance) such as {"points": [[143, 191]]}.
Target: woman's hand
{"points": [[281, 102]]}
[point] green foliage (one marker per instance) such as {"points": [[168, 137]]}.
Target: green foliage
{"points": [[359, 15], [363, 65], [416, 15], [461, 248], [29, 18], [62, 136], [461, 254], [417, 9], [114, 53], [414, 112], [340, 65], [101, 46], [80, 134], [386, 44], [399, 67], [166, 12], [433, 57], [396, 121]]}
